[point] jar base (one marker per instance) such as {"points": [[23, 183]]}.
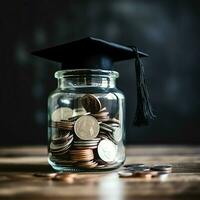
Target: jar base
{"points": [[64, 168]]}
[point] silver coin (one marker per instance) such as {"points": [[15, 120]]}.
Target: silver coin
{"points": [[60, 147], [107, 150], [117, 134], [125, 173], [58, 137], [162, 167], [95, 140], [106, 129], [104, 125], [86, 143], [139, 169], [62, 113], [86, 128], [134, 165]]}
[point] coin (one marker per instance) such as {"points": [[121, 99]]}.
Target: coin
{"points": [[74, 118], [134, 165], [60, 139], [154, 173], [117, 134], [162, 168], [146, 175], [68, 178], [95, 140], [79, 111], [91, 103], [107, 135], [107, 127], [113, 120], [86, 128], [107, 150], [139, 169], [125, 173], [81, 154], [101, 114], [62, 125], [87, 164], [61, 147], [62, 113]]}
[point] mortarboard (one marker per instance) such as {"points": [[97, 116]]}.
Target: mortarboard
{"points": [[93, 53]]}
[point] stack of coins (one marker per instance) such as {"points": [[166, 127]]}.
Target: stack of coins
{"points": [[102, 115], [86, 144], [91, 137], [147, 172], [60, 145], [62, 125]]}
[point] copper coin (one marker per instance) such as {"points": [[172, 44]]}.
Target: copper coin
{"points": [[91, 103], [81, 154], [146, 175]]}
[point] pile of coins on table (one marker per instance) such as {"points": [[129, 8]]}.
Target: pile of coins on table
{"points": [[146, 172], [86, 137], [140, 171]]}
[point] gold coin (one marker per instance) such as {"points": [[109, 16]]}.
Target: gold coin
{"points": [[86, 128]]}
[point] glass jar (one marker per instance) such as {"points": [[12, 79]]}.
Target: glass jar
{"points": [[86, 121]]}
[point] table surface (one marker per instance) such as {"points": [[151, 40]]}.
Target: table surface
{"points": [[18, 164]]}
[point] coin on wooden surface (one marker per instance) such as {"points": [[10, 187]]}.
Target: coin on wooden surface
{"points": [[134, 165], [125, 173], [145, 175], [62, 113], [68, 178], [107, 150], [86, 128], [167, 168], [139, 169], [91, 103]]}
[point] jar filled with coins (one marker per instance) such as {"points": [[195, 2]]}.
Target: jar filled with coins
{"points": [[86, 111], [86, 121]]}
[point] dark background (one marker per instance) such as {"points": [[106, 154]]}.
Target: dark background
{"points": [[167, 30]]}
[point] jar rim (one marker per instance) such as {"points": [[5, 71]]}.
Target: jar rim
{"points": [[86, 72]]}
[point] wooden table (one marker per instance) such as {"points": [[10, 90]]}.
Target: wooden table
{"points": [[17, 166]]}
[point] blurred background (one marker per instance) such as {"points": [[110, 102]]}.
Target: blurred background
{"points": [[167, 30]]}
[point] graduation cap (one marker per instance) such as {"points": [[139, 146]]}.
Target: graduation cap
{"points": [[93, 53]]}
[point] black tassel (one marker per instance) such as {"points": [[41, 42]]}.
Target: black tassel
{"points": [[144, 111]]}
